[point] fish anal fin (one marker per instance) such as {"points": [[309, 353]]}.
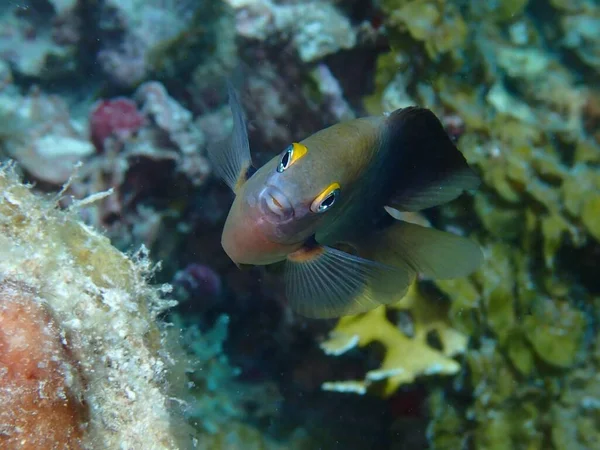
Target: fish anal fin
{"points": [[431, 170], [324, 282]]}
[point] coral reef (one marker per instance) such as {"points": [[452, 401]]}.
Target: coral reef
{"points": [[217, 396], [528, 312], [82, 355], [133, 90], [121, 142], [30, 43], [315, 29], [127, 42], [38, 130]]}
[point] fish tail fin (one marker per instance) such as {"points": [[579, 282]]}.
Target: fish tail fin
{"points": [[231, 158], [431, 170], [418, 249]]}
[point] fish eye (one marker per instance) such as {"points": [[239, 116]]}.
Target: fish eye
{"points": [[286, 159], [292, 154], [326, 199], [329, 201]]}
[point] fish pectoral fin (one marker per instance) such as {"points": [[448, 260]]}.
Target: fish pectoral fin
{"points": [[433, 170], [230, 158], [433, 253], [324, 282]]}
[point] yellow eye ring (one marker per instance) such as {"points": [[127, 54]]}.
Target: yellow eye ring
{"points": [[292, 154], [326, 199]]}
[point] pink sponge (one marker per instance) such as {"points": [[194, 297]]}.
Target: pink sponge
{"points": [[117, 117]]}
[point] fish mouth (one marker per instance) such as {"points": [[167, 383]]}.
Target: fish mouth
{"points": [[275, 203]]}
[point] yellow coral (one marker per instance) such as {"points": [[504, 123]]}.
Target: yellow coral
{"points": [[406, 357]]}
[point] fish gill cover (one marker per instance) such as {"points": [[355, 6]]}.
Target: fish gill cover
{"points": [[506, 358]]}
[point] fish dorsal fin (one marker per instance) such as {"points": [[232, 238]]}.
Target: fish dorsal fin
{"points": [[432, 171], [230, 158], [324, 282]]}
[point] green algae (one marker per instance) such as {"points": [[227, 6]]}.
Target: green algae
{"points": [[501, 221], [520, 353], [590, 214], [555, 330], [463, 312], [529, 379]]}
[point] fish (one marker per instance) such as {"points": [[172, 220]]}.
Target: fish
{"points": [[327, 210]]}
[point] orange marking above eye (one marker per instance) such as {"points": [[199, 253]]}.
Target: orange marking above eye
{"points": [[298, 152], [332, 187]]}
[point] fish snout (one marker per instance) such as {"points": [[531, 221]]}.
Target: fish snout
{"points": [[248, 238], [275, 203]]}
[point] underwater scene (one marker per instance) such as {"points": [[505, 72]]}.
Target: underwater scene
{"points": [[300, 224]]}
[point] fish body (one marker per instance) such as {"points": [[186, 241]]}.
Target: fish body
{"points": [[275, 206], [322, 207]]}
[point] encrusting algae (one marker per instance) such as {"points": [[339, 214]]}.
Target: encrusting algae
{"points": [[83, 363]]}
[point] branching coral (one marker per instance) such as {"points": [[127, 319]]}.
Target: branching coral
{"points": [[217, 398], [408, 350]]}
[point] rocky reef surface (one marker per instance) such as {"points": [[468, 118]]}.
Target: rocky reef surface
{"points": [[106, 108]]}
